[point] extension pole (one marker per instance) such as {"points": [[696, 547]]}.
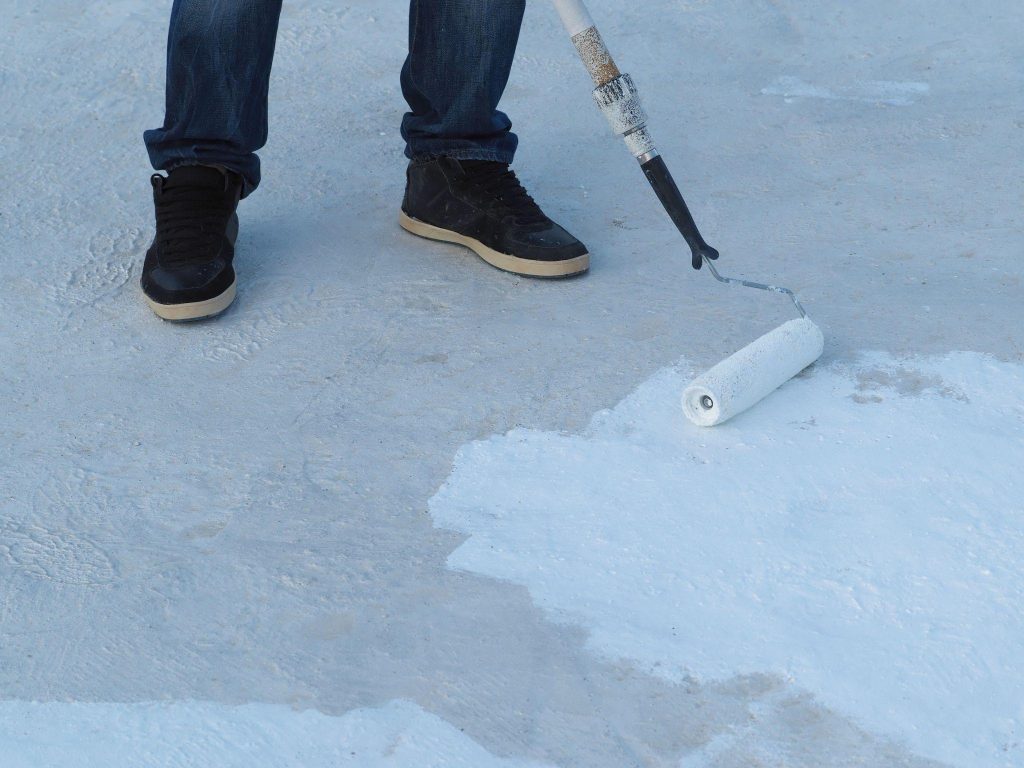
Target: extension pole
{"points": [[619, 100], [758, 369]]}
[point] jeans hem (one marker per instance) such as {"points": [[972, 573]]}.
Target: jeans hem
{"points": [[493, 156]]}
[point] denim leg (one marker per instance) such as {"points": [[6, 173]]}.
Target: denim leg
{"points": [[219, 54], [460, 56]]}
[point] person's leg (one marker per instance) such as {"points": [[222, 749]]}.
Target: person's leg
{"points": [[460, 56], [459, 188], [219, 55]]}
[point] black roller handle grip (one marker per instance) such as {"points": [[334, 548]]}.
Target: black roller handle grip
{"points": [[665, 187]]}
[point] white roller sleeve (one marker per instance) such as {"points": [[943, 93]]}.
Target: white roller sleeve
{"points": [[754, 372], [575, 16]]}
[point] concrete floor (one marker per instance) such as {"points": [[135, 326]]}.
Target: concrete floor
{"points": [[236, 511]]}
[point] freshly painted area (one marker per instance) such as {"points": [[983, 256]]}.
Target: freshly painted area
{"points": [[893, 94], [184, 734], [859, 533]]}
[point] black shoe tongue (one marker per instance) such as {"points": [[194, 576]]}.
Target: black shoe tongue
{"points": [[195, 176]]}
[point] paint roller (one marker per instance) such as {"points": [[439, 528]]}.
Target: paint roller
{"points": [[757, 370]]}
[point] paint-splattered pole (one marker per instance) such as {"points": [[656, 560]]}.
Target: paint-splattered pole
{"points": [[619, 100]]}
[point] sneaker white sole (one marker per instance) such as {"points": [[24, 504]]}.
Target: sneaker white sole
{"points": [[503, 261], [196, 310]]}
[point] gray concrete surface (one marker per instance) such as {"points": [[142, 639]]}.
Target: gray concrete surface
{"points": [[236, 511]]}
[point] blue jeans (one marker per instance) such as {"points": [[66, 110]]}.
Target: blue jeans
{"points": [[219, 55]]}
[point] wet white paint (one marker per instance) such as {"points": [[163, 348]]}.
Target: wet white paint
{"points": [[861, 533], [892, 93], [200, 734]]}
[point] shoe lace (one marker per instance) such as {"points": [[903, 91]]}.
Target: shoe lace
{"points": [[191, 222], [500, 186]]}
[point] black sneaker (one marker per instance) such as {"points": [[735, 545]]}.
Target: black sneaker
{"points": [[483, 206], [187, 274]]}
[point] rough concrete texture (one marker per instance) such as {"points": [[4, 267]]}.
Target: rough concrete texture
{"points": [[236, 511]]}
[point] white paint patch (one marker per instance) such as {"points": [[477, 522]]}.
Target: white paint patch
{"points": [[892, 93], [202, 734], [861, 532]]}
